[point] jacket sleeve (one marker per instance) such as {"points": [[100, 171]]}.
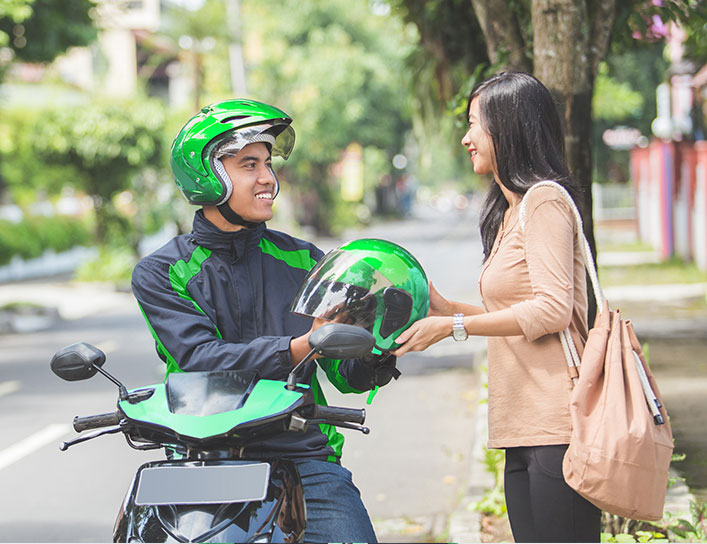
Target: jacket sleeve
{"points": [[549, 253], [186, 339]]}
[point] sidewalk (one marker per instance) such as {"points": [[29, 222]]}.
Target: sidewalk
{"points": [[56, 300]]}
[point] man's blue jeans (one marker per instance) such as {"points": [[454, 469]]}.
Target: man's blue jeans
{"points": [[335, 512]]}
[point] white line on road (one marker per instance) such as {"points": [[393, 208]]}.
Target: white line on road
{"points": [[32, 443], [8, 387]]}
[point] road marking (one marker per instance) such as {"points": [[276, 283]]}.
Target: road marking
{"points": [[32, 443], [8, 387]]}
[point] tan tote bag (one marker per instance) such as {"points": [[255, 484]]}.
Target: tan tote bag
{"points": [[621, 442]]}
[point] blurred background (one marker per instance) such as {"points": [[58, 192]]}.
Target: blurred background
{"points": [[92, 93]]}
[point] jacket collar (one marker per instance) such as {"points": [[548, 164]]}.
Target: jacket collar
{"points": [[208, 235]]}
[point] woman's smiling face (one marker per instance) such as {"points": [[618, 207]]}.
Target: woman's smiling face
{"points": [[478, 142]]}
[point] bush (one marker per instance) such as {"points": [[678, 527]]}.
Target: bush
{"points": [[30, 237], [112, 265]]}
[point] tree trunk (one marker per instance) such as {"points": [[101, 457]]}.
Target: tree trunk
{"points": [[567, 60], [570, 38], [563, 63]]}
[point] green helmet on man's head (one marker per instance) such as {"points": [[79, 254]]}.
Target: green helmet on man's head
{"points": [[375, 284], [219, 129]]}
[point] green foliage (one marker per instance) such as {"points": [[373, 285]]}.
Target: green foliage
{"points": [[13, 12], [52, 27], [105, 144], [24, 171], [100, 137], [639, 536], [112, 265], [683, 530], [338, 69], [493, 502], [31, 237], [614, 100]]}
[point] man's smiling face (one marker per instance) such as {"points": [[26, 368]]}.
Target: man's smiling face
{"points": [[254, 183]]}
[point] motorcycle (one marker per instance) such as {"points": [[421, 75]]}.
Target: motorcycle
{"points": [[210, 488]]}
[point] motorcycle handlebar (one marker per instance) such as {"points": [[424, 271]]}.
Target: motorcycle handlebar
{"points": [[96, 422], [336, 413]]}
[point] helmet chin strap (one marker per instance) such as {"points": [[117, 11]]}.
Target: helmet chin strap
{"points": [[235, 219]]}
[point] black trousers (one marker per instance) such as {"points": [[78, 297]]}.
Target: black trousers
{"points": [[541, 506]]}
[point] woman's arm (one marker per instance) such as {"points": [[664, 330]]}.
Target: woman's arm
{"points": [[430, 330], [440, 306]]}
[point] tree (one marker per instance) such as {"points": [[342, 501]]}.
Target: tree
{"points": [[562, 42], [40, 30], [338, 69], [106, 145], [14, 11], [52, 28], [196, 32]]}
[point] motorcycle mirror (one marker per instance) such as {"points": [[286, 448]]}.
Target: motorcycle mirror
{"points": [[341, 341], [78, 361], [335, 341], [81, 361]]}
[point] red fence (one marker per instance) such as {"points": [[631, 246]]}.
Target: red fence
{"points": [[670, 187]]}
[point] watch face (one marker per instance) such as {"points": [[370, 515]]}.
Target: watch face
{"points": [[459, 334]]}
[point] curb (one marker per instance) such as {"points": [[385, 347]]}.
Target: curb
{"points": [[465, 522]]}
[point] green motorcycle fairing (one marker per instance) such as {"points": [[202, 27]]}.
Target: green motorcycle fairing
{"points": [[267, 400]]}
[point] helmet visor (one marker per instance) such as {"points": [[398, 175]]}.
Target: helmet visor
{"points": [[279, 137], [342, 288]]}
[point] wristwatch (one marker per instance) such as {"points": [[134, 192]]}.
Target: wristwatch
{"points": [[458, 330]]}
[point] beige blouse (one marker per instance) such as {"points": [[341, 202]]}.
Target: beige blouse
{"points": [[540, 275]]}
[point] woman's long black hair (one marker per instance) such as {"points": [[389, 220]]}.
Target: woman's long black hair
{"points": [[520, 115]]}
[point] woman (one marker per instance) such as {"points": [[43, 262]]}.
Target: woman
{"points": [[532, 286]]}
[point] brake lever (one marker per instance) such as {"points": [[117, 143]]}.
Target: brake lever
{"points": [[344, 424], [111, 430]]}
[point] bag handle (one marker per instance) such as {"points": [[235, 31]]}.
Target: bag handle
{"points": [[570, 350], [582, 239], [568, 346]]}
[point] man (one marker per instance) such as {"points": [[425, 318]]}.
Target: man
{"points": [[219, 298]]}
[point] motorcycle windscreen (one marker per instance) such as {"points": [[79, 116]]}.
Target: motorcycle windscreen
{"points": [[341, 287], [199, 484], [210, 392]]}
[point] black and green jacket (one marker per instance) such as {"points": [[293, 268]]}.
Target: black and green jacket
{"points": [[216, 300]]}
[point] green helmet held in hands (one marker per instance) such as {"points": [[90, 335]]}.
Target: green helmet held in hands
{"points": [[375, 284], [220, 129]]}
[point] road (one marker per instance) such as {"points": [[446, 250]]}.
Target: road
{"points": [[411, 469]]}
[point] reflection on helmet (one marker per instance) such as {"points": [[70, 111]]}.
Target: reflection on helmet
{"points": [[371, 283], [340, 302]]}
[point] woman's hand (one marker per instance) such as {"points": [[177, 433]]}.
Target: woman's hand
{"points": [[422, 334]]}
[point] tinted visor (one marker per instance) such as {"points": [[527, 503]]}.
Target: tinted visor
{"points": [[340, 302], [342, 287]]}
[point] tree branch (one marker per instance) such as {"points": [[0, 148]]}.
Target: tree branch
{"points": [[602, 14], [502, 33]]}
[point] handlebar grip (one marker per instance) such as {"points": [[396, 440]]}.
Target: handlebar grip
{"points": [[96, 422], [336, 413]]}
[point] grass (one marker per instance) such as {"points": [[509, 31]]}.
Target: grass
{"points": [[625, 246], [667, 272]]}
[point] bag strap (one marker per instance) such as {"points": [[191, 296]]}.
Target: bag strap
{"points": [[568, 346]]}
